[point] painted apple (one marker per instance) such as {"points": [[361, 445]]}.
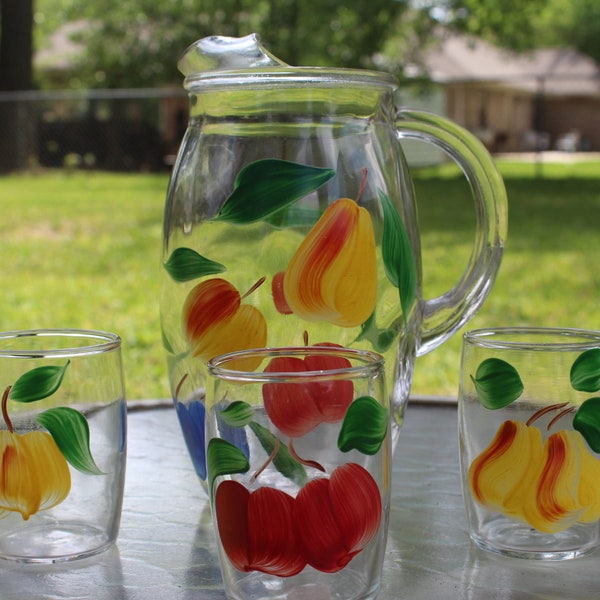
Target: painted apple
{"points": [[216, 322], [337, 518], [297, 408]]}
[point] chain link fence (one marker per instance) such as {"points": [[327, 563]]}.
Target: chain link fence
{"points": [[118, 130]]}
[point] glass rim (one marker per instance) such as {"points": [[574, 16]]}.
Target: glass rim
{"points": [[524, 338], [98, 342], [371, 362], [290, 76]]}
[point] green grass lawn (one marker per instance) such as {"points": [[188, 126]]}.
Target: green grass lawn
{"points": [[82, 249]]}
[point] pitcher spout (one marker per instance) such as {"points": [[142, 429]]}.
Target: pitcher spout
{"points": [[221, 53]]}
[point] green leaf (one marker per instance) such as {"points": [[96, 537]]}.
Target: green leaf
{"points": [[497, 383], [364, 427], [398, 258], [237, 414], [71, 432], [380, 339], [186, 264], [587, 422], [266, 186], [223, 458], [284, 462], [585, 372], [38, 383], [294, 216]]}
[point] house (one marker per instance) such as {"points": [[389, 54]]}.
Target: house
{"points": [[543, 99], [540, 100]]}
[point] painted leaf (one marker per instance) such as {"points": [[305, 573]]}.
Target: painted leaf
{"points": [[364, 427], [587, 422], [38, 383], [223, 458], [497, 383], [71, 432], [398, 257], [294, 216], [585, 372], [284, 462], [237, 414], [380, 339], [186, 264], [266, 186]]}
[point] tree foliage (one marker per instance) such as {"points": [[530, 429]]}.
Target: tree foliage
{"points": [[137, 43]]}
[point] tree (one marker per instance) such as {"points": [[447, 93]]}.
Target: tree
{"points": [[507, 23], [574, 23], [138, 44], [16, 25]]}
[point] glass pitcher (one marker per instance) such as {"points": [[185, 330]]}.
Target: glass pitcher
{"points": [[290, 220]]}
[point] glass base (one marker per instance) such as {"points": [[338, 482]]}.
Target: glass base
{"points": [[52, 543], [510, 538], [259, 586]]}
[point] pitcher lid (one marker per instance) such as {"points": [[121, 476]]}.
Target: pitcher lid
{"points": [[220, 60]]}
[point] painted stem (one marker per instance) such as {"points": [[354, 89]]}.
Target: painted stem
{"points": [[363, 183], [179, 386], [267, 462], [560, 415], [255, 286], [5, 409], [304, 461], [540, 413]]}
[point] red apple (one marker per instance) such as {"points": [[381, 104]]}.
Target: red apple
{"points": [[297, 408], [337, 518], [256, 529]]}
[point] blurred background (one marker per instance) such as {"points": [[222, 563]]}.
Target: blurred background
{"points": [[92, 112]]}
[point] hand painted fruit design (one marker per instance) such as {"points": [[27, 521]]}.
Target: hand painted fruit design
{"points": [[326, 525], [550, 484], [333, 275], [216, 321], [336, 518], [297, 408], [34, 474], [334, 515]]}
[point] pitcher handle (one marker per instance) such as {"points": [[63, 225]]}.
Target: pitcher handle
{"points": [[446, 313]]}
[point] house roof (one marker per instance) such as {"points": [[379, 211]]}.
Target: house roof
{"points": [[561, 71]]}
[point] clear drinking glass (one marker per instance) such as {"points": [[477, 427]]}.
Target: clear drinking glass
{"points": [[62, 444], [298, 459], [529, 430]]}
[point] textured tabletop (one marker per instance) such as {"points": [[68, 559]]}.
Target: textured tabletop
{"points": [[166, 549]]}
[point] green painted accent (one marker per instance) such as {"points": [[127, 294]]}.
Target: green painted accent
{"points": [[585, 372], [266, 186], [38, 383], [71, 432], [237, 414], [283, 461], [497, 383], [294, 216], [223, 458], [398, 258], [364, 427], [186, 264], [587, 422], [380, 339]]}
